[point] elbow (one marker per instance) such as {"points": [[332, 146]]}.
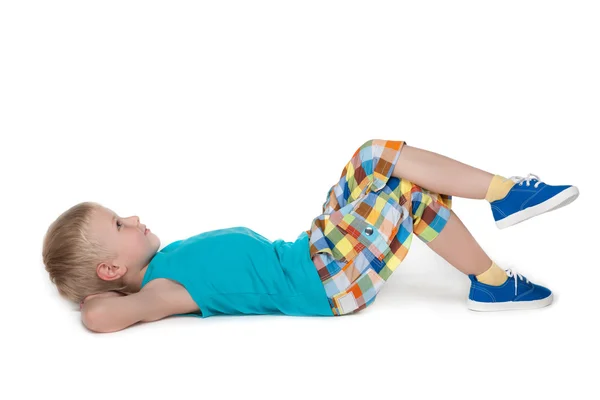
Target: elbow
{"points": [[93, 319], [98, 319]]}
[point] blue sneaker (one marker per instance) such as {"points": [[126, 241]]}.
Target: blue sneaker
{"points": [[526, 201], [517, 293]]}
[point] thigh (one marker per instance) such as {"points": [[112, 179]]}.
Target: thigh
{"points": [[351, 237], [369, 169]]}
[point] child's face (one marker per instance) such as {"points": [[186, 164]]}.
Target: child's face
{"points": [[125, 237]]}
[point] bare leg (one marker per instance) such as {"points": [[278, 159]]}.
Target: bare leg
{"points": [[456, 245], [441, 174]]}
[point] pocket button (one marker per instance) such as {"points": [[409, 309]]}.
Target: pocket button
{"points": [[369, 230]]}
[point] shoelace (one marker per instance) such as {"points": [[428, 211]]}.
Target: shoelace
{"points": [[512, 273], [519, 180]]}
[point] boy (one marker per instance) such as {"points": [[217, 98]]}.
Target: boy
{"points": [[387, 192]]}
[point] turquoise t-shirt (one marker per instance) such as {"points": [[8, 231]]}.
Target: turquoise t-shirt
{"points": [[237, 271]]}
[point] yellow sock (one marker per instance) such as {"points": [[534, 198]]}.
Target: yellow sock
{"points": [[494, 276], [499, 188]]}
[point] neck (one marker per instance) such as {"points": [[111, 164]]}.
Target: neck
{"points": [[134, 282]]}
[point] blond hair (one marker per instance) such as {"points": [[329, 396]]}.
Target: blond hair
{"points": [[71, 254]]}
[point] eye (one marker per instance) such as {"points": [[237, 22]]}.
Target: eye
{"points": [[118, 225]]}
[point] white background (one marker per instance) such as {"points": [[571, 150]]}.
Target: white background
{"points": [[243, 113]]}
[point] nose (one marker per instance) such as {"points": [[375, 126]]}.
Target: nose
{"points": [[136, 218]]}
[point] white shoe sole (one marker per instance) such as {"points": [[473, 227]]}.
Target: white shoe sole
{"points": [[565, 197], [509, 305]]}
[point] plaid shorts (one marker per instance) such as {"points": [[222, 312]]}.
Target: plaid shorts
{"points": [[367, 226]]}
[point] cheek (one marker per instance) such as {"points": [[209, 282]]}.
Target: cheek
{"points": [[140, 247], [143, 241], [137, 242], [147, 241]]}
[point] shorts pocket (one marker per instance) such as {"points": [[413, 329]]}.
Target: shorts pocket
{"points": [[369, 223], [344, 246]]}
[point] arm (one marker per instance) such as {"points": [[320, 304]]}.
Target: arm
{"points": [[158, 299]]}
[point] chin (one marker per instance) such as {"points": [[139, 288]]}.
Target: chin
{"points": [[157, 242]]}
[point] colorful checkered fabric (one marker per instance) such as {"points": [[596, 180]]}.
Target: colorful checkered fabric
{"points": [[367, 226]]}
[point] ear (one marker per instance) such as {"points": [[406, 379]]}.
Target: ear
{"points": [[110, 272]]}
